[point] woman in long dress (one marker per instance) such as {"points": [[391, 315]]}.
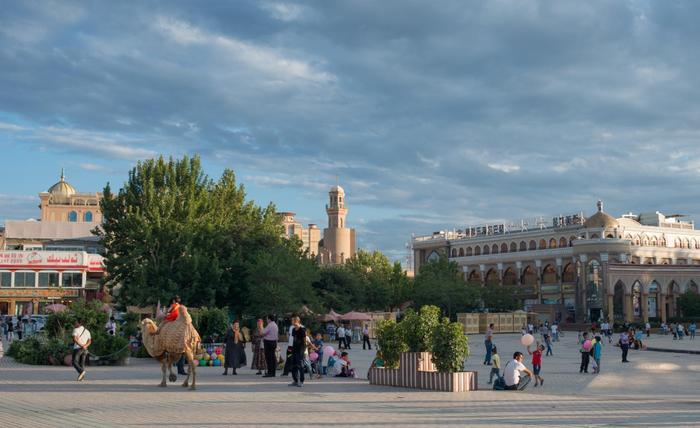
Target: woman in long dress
{"points": [[258, 362], [234, 342]]}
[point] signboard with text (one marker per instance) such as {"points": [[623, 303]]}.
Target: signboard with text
{"points": [[42, 259]]}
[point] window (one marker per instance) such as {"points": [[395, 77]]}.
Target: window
{"points": [[72, 279], [5, 279], [25, 279], [87, 217], [73, 216], [48, 279]]}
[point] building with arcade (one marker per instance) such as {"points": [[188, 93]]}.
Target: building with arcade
{"points": [[578, 269]]}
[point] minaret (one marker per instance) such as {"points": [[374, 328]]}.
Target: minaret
{"points": [[336, 208]]}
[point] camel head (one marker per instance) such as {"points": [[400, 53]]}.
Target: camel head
{"points": [[148, 326]]}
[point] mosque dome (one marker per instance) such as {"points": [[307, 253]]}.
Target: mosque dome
{"points": [[601, 219], [61, 191], [337, 189]]}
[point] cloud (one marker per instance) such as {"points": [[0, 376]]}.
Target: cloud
{"points": [[504, 167]]}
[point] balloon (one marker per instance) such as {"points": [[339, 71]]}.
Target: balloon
{"points": [[587, 345], [221, 357], [217, 362], [218, 351], [210, 363], [202, 362], [328, 350], [313, 356], [207, 357], [195, 362], [527, 339]]}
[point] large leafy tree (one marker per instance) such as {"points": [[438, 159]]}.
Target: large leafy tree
{"points": [[172, 230], [440, 283]]}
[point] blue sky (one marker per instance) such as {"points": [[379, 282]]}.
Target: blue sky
{"points": [[432, 114]]}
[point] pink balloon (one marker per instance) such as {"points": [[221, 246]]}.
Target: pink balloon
{"points": [[527, 339], [195, 362], [328, 350], [313, 356], [587, 344]]}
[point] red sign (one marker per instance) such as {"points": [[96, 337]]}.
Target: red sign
{"points": [[42, 259]]}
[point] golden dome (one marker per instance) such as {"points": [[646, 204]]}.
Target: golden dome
{"points": [[601, 219], [62, 190]]}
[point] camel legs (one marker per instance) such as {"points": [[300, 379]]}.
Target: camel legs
{"points": [[163, 368], [189, 355], [172, 359]]}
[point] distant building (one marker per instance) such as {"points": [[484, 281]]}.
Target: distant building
{"points": [[338, 243], [630, 268], [54, 259]]}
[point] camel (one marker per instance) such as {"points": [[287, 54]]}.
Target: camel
{"points": [[169, 342]]}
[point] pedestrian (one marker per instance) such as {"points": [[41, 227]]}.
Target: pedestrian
{"points": [[647, 328], [680, 328], [511, 373], [288, 361], [234, 342], [365, 338], [340, 335], [664, 329], [488, 342], [341, 366], [298, 333], [330, 330], [555, 332], [548, 342], [585, 354], [270, 336], [318, 343], [496, 364], [10, 330], [258, 347], [597, 351], [18, 329], [638, 340], [348, 337], [3, 322], [111, 326], [81, 342], [624, 345], [537, 363], [674, 331], [691, 329], [530, 328]]}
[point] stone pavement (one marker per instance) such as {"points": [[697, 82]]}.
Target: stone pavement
{"points": [[656, 389]]}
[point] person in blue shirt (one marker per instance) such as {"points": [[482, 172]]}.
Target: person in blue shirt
{"points": [[318, 343], [597, 351]]}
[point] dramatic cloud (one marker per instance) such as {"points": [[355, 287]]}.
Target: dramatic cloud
{"points": [[431, 115]]}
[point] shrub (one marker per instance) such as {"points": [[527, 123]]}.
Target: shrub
{"points": [[211, 322], [109, 347], [391, 342], [131, 324], [450, 347], [418, 328], [57, 349], [31, 350]]}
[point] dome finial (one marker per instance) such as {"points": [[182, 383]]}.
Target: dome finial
{"points": [[63, 176], [600, 206]]}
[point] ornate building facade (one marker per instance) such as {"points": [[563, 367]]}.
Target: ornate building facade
{"points": [[630, 268]]}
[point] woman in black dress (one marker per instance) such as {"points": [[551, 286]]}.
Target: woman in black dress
{"points": [[235, 349]]}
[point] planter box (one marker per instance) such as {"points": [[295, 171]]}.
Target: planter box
{"points": [[416, 370]]}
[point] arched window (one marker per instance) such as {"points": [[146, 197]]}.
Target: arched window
{"points": [[568, 274], [637, 299], [474, 276], [454, 252], [571, 241], [563, 243], [543, 244], [433, 257], [504, 248], [73, 216], [461, 252], [477, 250], [653, 299], [492, 277], [486, 250], [87, 217], [693, 287], [468, 252], [523, 246], [594, 284], [654, 242], [532, 245], [494, 249], [529, 276], [513, 247], [552, 243]]}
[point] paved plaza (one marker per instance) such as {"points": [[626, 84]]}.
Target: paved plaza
{"points": [[655, 389]]}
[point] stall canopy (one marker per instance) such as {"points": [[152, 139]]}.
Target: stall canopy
{"points": [[330, 316], [56, 307], [355, 316]]}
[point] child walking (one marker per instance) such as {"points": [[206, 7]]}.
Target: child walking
{"points": [[537, 363], [597, 350], [495, 364]]}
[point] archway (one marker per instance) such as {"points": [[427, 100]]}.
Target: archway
{"points": [[461, 252], [532, 245], [509, 277], [563, 243], [492, 277], [454, 252], [486, 250], [594, 290], [513, 247], [477, 250], [552, 243], [568, 275], [693, 287], [468, 253], [549, 275], [474, 277], [523, 246], [494, 249], [619, 301], [653, 300], [504, 248], [637, 300], [543, 244], [529, 277]]}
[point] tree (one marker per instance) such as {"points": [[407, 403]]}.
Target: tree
{"points": [[689, 304], [440, 283], [450, 347], [418, 327], [499, 298]]}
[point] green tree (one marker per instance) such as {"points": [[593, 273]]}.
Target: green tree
{"points": [[450, 347], [418, 327], [499, 298], [391, 342], [440, 283], [689, 304], [339, 288]]}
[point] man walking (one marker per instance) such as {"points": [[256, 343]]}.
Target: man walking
{"points": [[81, 341], [365, 338], [488, 342], [270, 336], [624, 345], [340, 334]]}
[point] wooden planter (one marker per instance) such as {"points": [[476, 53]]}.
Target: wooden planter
{"points": [[416, 370]]}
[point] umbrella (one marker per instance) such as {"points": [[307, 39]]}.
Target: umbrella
{"points": [[355, 316], [330, 316], [55, 307]]}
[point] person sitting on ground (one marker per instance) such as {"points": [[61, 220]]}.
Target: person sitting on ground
{"points": [[511, 373], [341, 368]]}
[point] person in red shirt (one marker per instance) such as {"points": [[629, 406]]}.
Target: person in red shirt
{"points": [[174, 310], [537, 363]]}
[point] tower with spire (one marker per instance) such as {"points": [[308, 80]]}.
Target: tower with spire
{"points": [[338, 243]]}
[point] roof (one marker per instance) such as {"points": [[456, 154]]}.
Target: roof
{"points": [[337, 189], [62, 188], [20, 229]]}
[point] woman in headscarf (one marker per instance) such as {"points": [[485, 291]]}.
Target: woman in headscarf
{"points": [[235, 351], [258, 352]]}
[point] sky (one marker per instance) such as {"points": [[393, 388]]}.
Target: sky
{"points": [[432, 115]]}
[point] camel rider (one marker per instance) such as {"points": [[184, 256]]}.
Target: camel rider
{"points": [[173, 311]]}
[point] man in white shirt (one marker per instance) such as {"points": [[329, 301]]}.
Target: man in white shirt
{"points": [[340, 334], [555, 332], [81, 341], [511, 373]]}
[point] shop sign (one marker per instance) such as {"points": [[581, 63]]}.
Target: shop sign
{"points": [[41, 258], [38, 292]]}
